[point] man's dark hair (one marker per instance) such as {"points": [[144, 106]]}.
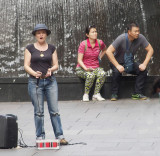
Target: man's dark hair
{"points": [[129, 27]]}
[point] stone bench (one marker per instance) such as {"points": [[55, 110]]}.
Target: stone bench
{"points": [[69, 88]]}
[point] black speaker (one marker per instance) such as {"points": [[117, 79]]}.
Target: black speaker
{"points": [[8, 131]]}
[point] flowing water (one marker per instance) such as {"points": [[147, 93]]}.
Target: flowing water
{"points": [[67, 20]]}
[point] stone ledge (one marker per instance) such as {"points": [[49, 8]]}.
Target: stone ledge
{"points": [[70, 88], [70, 79]]}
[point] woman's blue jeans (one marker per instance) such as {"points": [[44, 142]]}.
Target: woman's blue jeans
{"points": [[38, 88]]}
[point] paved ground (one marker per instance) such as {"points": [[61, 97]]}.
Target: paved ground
{"points": [[122, 128]]}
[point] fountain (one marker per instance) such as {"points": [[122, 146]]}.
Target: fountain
{"points": [[67, 20]]}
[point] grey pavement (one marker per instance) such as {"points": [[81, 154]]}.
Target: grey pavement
{"points": [[122, 128]]}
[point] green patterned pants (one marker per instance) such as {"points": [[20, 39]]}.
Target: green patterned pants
{"points": [[98, 74]]}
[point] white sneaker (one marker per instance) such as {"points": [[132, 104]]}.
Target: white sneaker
{"points": [[97, 97], [85, 98]]}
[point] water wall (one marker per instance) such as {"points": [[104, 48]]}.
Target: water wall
{"points": [[67, 20]]}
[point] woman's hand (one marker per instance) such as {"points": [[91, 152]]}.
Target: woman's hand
{"points": [[89, 69], [48, 72], [38, 74]]}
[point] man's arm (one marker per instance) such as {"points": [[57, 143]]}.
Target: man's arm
{"points": [[110, 53], [150, 51]]}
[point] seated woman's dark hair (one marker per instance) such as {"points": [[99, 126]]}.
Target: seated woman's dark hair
{"points": [[88, 28]]}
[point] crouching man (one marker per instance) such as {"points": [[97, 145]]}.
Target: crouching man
{"points": [[121, 55]]}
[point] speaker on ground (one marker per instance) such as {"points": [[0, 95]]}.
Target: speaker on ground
{"points": [[8, 131]]}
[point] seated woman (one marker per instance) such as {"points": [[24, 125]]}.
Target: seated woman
{"points": [[90, 53]]}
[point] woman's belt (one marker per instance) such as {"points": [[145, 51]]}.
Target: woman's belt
{"points": [[41, 77]]}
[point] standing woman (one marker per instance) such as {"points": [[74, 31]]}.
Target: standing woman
{"points": [[89, 54], [40, 60]]}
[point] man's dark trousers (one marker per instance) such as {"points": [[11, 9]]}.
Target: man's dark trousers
{"points": [[140, 78]]}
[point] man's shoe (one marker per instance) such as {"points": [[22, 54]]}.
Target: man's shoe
{"points": [[98, 97], [85, 98], [63, 142], [114, 97], [138, 97]]}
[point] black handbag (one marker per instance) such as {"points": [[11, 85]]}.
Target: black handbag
{"points": [[128, 57]]}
